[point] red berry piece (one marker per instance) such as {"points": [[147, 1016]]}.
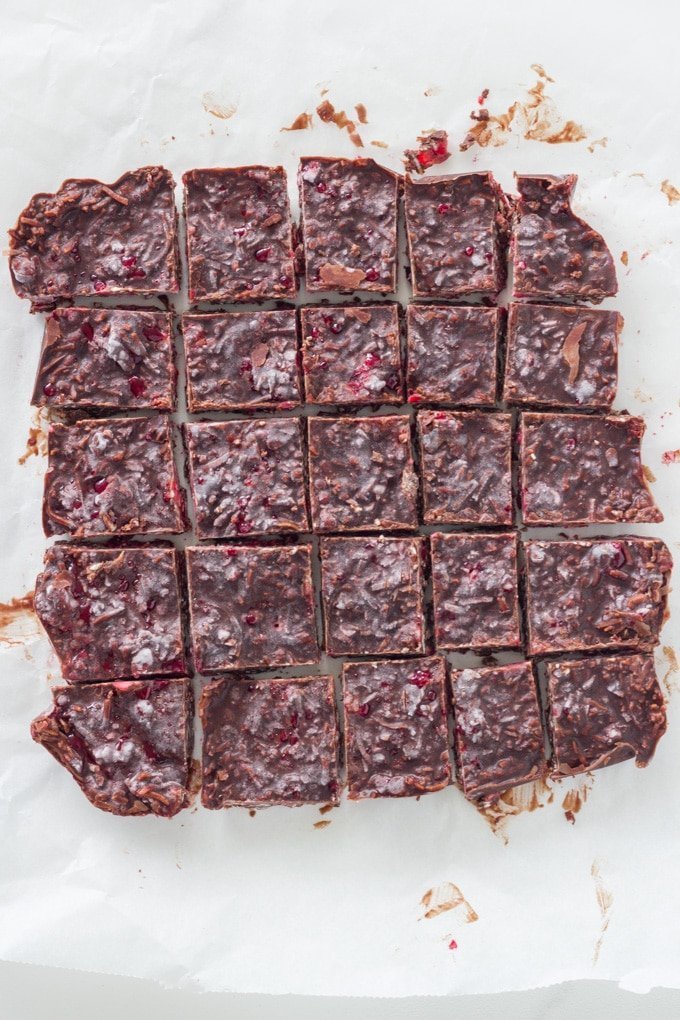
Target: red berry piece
{"points": [[137, 386], [262, 254], [100, 484], [87, 330]]}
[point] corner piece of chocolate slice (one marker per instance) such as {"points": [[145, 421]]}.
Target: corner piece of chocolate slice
{"points": [[557, 256], [90, 238], [603, 711], [127, 744]]}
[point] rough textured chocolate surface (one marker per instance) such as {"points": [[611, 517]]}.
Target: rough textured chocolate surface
{"points": [[603, 711], [373, 595], [396, 737], [127, 744], [241, 360], [561, 357], [465, 464], [557, 256], [457, 232], [269, 742], [361, 474], [247, 477], [474, 581], [583, 469], [596, 593], [498, 738], [112, 477], [251, 607], [351, 354], [106, 359], [112, 612], [239, 234], [94, 238], [349, 224], [452, 354]]}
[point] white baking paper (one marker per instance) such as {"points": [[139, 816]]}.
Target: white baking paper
{"points": [[222, 900]]}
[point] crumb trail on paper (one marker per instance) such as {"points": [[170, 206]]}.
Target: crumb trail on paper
{"points": [[329, 115], [605, 901], [453, 944], [536, 118], [602, 142], [648, 473], [541, 72], [18, 621], [516, 801], [380, 145], [362, 115], [670, 457], [433, 149], [447, 896], [216, 108], [624, 257], [36, 444], [575, 798], [643, 397], [325, 808], [322, 824], [432, 90], [252, 812], [671, 192], [670, 678], [302, 122]]}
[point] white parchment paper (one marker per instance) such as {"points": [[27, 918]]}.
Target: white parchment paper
{"points": [[221, 900]]}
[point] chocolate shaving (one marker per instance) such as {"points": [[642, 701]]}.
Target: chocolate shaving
{"points": [[571, 349], [302, 122], [259, 355], [337, 277]]}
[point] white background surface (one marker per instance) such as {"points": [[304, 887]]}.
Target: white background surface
{"points": [[93, 91]]}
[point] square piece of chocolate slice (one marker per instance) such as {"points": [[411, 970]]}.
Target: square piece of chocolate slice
{"points": [[268, 742], [98, 239], [558, 356], [582, 469], [251, 607], [246, 477], [396, 735], [603, 711], [113, 476], [361, 474], [112, 612], [557, 256], [593, 594], [498, 737], [239, 234], [475, 591], [452, 354], [351, 354], [466, 467], [127, 744], [457, 229], [105, 359], [349, 224], [372, 591], [238, 361]]}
